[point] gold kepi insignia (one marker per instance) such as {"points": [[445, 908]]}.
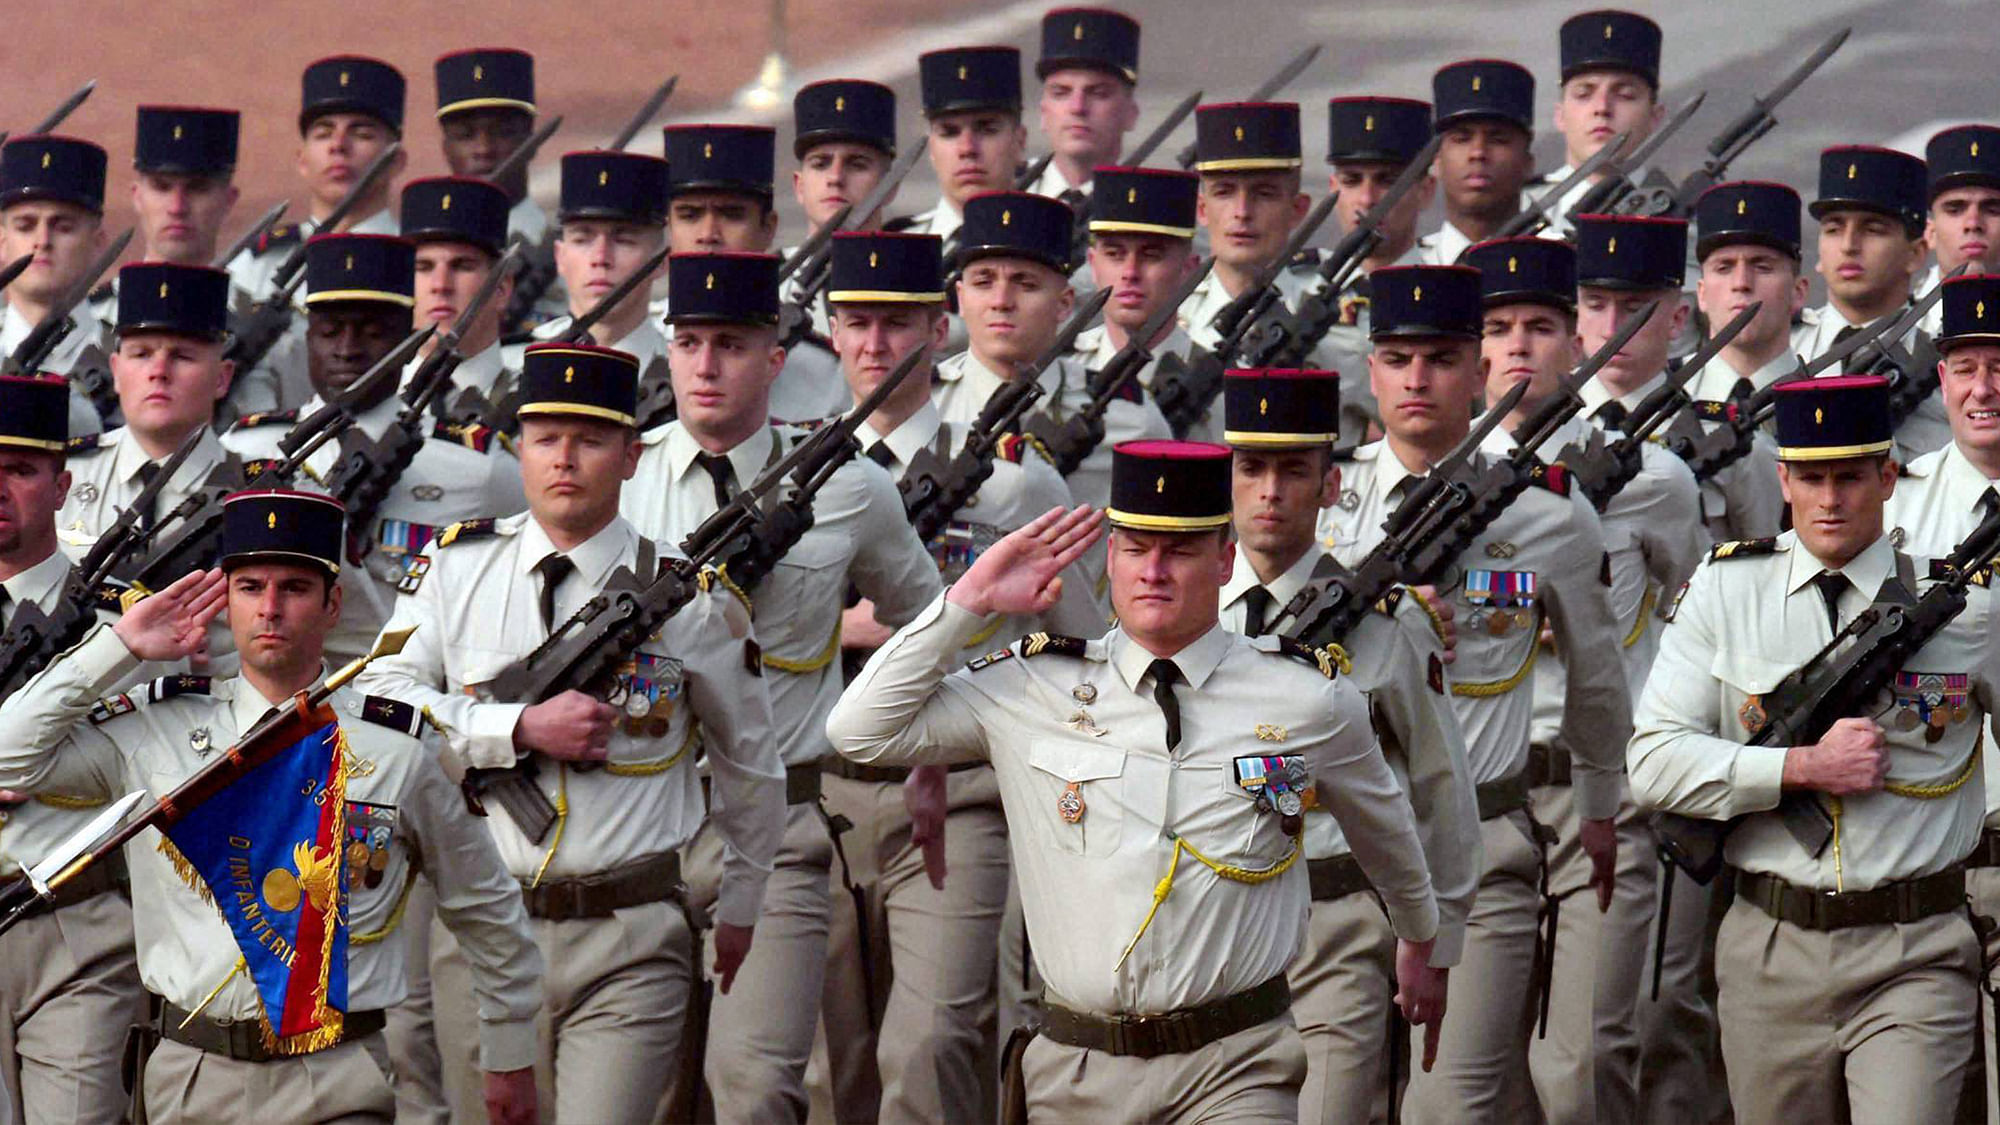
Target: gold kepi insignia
{"points": [[1160, 486], [1607, 31], [1368, 123], [163, 290], [1070, 805], [1077, 32], [478, 73], [1819, 416], [1979, 310], [1271, 732], [177, 132], [271, 521], [45, 160], [1742, 205], [961, 74], [603, 178], [1239, 134], [1131, 195], [840, 104], [1513, 264], [1975, 149], [1475, 83], [569, 374], [707, 151], [711, 281], [1611, 247], [1263, 406], [445, 203], [1417, 295], [1850, 171], [1006, 218]]}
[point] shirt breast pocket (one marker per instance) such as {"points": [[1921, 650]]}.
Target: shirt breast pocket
{"points": [[1077, 784], [1746, 678], [796, 608]]}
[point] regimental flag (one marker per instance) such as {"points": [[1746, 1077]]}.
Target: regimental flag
{"points": [[267, 851]]}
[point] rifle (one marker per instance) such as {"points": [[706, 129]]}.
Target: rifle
{"points": [[1535, 217], [647, 111], [934, 490], [1831, 686], [519, 158], [1601, 469], [1069, 441], [250, 236], [61, 113], [27, 358], [1080, 237], [98, 840], [1278, 81], [1912, 378], [258, 330], [1614, 194], [811, 260], [1282, 338], [585, 652], [536, 270]]}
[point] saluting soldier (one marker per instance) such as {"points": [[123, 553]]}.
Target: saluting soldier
{"points": [[219, 1058], [1281, 429], [1485, 111], [844, 138], [1610, 85], [459, 227], [1155, 780], [613, 217], [604, 884], [724, 359], [52, 206], [1964, 223], [1089, 70], [972, 107], [1847, 968], [1540, 561], [1142, 228], [910, 1037]]}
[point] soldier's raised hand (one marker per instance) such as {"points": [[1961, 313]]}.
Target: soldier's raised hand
{"points": [[173, 624], [1019, 574]]}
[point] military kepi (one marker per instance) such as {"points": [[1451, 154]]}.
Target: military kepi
{"points": [[1380, 130], [360, 267], [485, 78], [34, 413], [1971, 311], [352, 84], [886, 268], [579, 381], [1834, 418], [722, 288], [1611, 40], [1280, 408], [1526, 270], [281, 526], [969, 79], [1483, 88], [58, 169], [1867, 178], [738, 158], [1630, 251], [844, 109], [166, 297], [182, 140], [1089, 38], [1966, 156], [1143, 201], [1424, 301], [1169, 486], [617, 186], [456, 209], [1747, 211], [1246, 136], [1015, 224]]}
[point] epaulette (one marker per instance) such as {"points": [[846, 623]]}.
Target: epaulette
{"points": [[521, 338], [1387, 603], [1327, 660], [280, 234], [104, 292], [156, 691], [806, 425], [85, 443], [1742, 549], [267, 418], [394, 714], [1306, 257], [1042, 644], [1130, 391], [1711, 410], [1943, 571], [901, 223], [989, 659], [466, 529], [468, 434], [1555, 478], [1010, 447]]}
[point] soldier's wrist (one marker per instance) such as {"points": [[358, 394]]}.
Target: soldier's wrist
{"points": [[970, 598], [1799, 773]]}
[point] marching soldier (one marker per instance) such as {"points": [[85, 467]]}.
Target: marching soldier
{"points": [[1964, 223], [1014, 293], [1281, 429], [52, 201], [724, 359], [1141, 248], [1847, 967], [459, 227], [1155, 824], [612, 219], [220, 1056], [1089, 70], [844, 138], [604, 886], [972, 107], [1610, 85], [1486, 114], [1540, 561]]}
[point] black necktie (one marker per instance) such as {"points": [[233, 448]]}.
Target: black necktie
{"points": [[1989, 501], [553, 570], [1611, 415], [882, 455], [1841, 336], [1165, 674], [1830, 586], [1076, 200], [1256, 609], [721, 473], [146, 473]]}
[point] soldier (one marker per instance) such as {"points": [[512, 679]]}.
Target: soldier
{"points": [[1546, 554], [612, 220], [1014, 293], [170, 374], [844, 138], [1941, 497], [604, 886], [1964, 223], [724, 359], [929, 947], [1485, 113], [459, 226], [1847, 972], [69, 989], [1141, 248], [1089, 70], [1142, 812], [1610, 85], [1281, 428], [972, 107], [1870, 210], [1585, 1067], [52, 206], [220, 1058]]}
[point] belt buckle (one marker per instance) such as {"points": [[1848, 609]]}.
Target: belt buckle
{"points": [[1905, 899], [1119, 1033]]}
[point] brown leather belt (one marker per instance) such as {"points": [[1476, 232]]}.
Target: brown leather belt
{"points": [[1498, 798], [1985, 853], [880, 775], [1911, 900], [656, 878], [243, 1040], [1169, 1033], [1546, 766], [1336, 878], [802, 784], [101, 878]]}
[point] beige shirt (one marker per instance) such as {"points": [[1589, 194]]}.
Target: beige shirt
{"points": [[1742, 501], [1094, 349], [1083, 731], [1340, 350], [105, 479], [280, 380], [157, 736], [32, 828], [89, 342], [1748, 621]]}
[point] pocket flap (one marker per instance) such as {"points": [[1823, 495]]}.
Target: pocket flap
{"points": [[1077, 761]]}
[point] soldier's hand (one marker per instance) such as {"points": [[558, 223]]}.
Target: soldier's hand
{"points": [[732, 945], [1420, 992], [173, 623], [1853, 757], [1600, 842], [510, 1097], [1443, 612], [1019, 574], [859, 629], [924, 800], [573, 727]]}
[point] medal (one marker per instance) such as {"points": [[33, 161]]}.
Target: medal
{"points": [[198, 740], [1751, 714], [636, 704], [1069, 805], [1290, 804], [1084, 693], [1499, 623]]}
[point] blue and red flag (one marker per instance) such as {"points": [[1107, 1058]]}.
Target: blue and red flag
{"points": [[267, 851]]}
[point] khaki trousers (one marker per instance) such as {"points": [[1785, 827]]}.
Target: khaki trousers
{"points": [[1866, 1024], [1982, 885], [933, 972], [412, 1027], [1253, 1075], [1679, 1053], [615, 1001], [348, 1082], [1482, 1053], [69, 991], [1343, 983]]}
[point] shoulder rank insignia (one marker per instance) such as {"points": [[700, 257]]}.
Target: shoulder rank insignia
{"points": [[1039, 644], [1010, 447], [167, 687], [1331, 660], [1711, 410], [466, 529], [280, 234], [900, 223], [1943, 571], [1555, 478], [1387, 603], [105, 291], [1742, 549], [156, 691], [394, 714], [1308, 257], [468, 434], [108, 598], [266, 418], [85, 443], [1674, 607], [109, 708], [989, 660]]}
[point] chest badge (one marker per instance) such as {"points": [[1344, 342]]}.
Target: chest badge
{"points": [[1069, 805], [1350, 500], [1084, 693], [1752, 714], [1931, 700], [427, 492], [1501, 549], [200, 740], [85, 493], [1270, 732], [1082, 723]]}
